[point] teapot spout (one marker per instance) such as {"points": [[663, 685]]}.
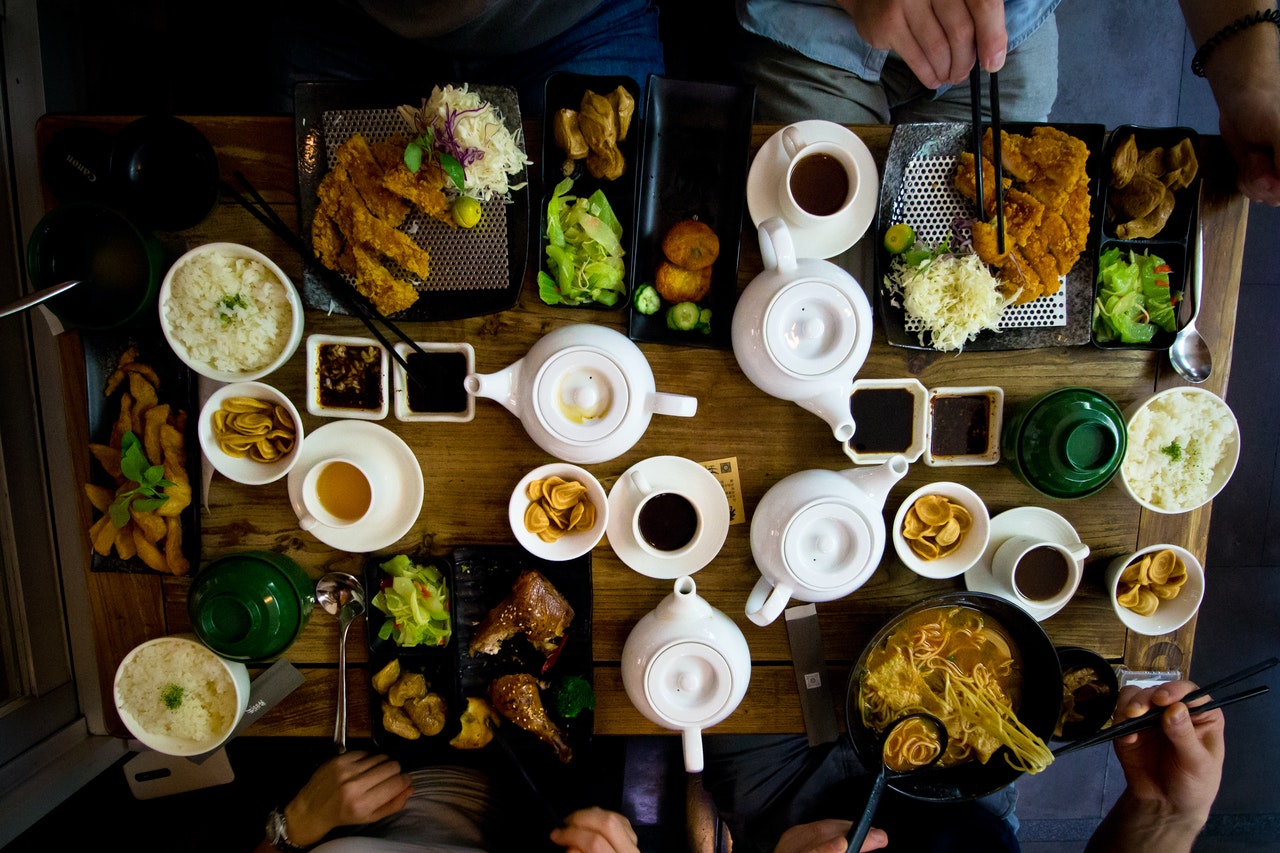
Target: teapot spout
{"points": [[875, 482], [833, 407], [683, 602], [500, 386]]}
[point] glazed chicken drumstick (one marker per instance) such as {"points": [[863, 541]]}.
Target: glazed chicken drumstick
{"points": [[516, 697]]}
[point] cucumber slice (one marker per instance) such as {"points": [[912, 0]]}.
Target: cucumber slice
{"points": [[683, 316], [647, 300]]}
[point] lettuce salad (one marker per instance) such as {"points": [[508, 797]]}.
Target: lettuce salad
{"points": [[415, 599], [584, 250], [1133, 298]]}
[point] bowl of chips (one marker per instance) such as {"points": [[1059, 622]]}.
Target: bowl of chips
{"points": [[1156, 590], [558, 511], [250, 432], [941, 530]]}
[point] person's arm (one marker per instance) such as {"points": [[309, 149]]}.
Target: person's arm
{"points": [[1244, 72], [1173, 771], [353, 788], [938, 39], [596, 830], [826, 836]]}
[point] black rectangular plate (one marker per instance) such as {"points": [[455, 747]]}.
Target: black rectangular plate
{"points": [[694, 161], [1172, 252], [933, 139], [311, 102], [178, 388], [564, 91], [1177, 228]]}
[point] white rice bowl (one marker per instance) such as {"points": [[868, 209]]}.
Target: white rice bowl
{"points": [[1183, 447], [229, 312], [178, 697]]}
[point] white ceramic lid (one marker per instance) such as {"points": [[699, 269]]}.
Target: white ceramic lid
{"points": [[826, 544], [581, 396], [810, 327], [689, 684]]}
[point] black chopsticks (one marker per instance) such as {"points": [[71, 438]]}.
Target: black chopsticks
{"points": [[975, 96], [337, 285], [1152, 717]]}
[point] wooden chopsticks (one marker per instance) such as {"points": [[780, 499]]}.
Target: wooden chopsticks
{"points": [[975, 96], [337, 285]]}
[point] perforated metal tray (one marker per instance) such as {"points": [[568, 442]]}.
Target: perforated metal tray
{"points": [[917, 187], [473, 271]]}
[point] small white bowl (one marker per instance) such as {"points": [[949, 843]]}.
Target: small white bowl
{"points": [[919, 412], [173, 661], [404, 412], [1222, 471], [315, 407], [990, 454], [971, 548], [570, 545], [1171, 614], [243, 469], [232, 250]]}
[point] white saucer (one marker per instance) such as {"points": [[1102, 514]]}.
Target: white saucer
{"points": [[669, 473], [1031, 521], [398, 488], [831, 238]]}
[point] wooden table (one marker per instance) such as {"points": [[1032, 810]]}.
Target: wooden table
{"points": [[471, 468]]}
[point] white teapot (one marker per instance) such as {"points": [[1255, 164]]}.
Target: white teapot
{"points": [[818, 535], [686, 666], [802, 329], [583, 392]]}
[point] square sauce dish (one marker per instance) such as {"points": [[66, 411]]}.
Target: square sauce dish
{"points": [[347, 377]]}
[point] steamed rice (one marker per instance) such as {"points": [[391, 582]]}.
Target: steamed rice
{"points": [[230, 313], [180, 690], [1176, 444]]}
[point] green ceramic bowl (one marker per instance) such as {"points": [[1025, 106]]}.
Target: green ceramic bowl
{"points": [[1067, 443], [250, 606]]}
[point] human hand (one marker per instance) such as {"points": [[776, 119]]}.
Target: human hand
{"points": [[354, 788], [1176, 766], [825, 836], [938, 39], [1249, 120], [595, 830]]}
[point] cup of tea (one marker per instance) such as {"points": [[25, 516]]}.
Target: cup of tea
{"points": [[665, 523], [336, 492], [819, 182], [1039, 573]]}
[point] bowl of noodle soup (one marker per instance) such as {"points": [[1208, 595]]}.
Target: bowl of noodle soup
{"points": [[981, 665]]}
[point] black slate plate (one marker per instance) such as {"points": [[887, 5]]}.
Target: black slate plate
{"points": [[178, 388], [694, 161], [911, 142], [465, 279]]}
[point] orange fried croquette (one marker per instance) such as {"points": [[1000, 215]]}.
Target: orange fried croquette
{"points": [[691, 244], [678, 284]]}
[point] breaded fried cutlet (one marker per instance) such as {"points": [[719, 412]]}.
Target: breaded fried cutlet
{"points": [[365, 173]]}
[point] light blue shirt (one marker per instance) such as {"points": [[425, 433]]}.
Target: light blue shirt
{"points": [[824, 32]]}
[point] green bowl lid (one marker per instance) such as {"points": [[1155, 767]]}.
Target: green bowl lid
{"points": [[1071, 443], [247, 607]]}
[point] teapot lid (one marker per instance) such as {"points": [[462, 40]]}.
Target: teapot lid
{"points": [[826, 544], [810, 327], [581, 395], [689, 683]]}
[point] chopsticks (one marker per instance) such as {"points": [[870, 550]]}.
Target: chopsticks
{"points": [[1152, 717], [543, 800], [338, 286], [975, 96]]}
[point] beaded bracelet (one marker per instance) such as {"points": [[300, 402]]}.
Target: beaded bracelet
{"points": [[1243, 23]]}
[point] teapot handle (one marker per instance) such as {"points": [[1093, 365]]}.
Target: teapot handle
{"points": [[765, 603], [679, 405], [692, 741], [776, 247]]}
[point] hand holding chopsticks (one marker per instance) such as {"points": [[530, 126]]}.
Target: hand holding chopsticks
{"points": [[975, 96]]}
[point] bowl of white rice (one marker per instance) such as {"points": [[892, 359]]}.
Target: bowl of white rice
{"points": [[177, 697], [229, 312], [1183, 447]]}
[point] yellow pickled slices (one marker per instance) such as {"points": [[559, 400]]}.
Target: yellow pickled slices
{"points": [[935, 526], [557, 506], [1144, 583], [246, 427]]}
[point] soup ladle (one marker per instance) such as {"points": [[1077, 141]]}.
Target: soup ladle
{"points": [[913, 764], [341, 595], [38, 297]]}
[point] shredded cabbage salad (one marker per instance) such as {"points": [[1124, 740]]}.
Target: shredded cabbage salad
{"points": [[415, 599], [954, 296], [468, 129], [584, 250]]}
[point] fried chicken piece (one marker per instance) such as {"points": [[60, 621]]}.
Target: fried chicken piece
{"points": [[517, 698], [478, 722], [365, 173], [964, 182], [1057, 238], [534, 608], [428, 713]]}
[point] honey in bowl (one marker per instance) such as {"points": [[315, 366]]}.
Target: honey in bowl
{"points": [[344, 491]]}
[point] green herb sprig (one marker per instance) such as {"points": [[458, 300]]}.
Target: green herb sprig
{"points": [[148, 479], [421, 149]]}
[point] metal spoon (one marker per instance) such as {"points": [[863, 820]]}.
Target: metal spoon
{"points": [[38, 297], [341, 595], [858, 832], [1189, 354]]}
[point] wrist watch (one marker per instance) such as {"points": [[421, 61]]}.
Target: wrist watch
{"points": [[278, 833]]}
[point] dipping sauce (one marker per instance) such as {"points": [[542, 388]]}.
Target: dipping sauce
{"points": [[1041, 573], [440, 376], [961, 425], [884, 420], [350, 376], [668, 521]]}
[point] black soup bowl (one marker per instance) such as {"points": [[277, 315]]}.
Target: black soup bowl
{"points": [[1039, 700], [121, 265]]}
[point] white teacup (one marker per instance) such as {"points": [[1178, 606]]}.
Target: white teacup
{"points": [[666, 522], [1039, 573], [820, 181], [336, 492]]}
